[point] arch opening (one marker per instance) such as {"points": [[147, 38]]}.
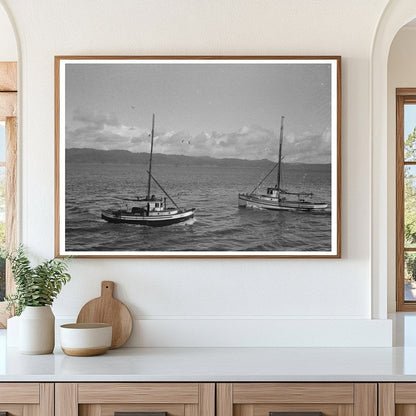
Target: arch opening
{"points": [[397, 15]]}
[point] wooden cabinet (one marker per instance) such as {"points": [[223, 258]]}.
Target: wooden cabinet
{"points": [[297, 399], [208, 399], [108, 399], [397, 399], [27, 399]]}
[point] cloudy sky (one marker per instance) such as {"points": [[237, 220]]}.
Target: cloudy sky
{"points": [[217, 110]]}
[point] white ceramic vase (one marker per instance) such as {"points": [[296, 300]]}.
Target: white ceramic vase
{"points": [[12, 334], [37, 330]]}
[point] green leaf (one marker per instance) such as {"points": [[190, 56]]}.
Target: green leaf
{"points": [[35, 286]]}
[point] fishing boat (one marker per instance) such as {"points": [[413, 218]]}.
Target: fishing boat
{"points": [[277, 198], [149, 210]]}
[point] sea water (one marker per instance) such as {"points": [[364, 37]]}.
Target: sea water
{"points": [[219, 224]]}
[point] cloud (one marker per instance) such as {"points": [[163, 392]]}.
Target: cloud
{"points": [[95, 119], [308, 148], [105, 132]]}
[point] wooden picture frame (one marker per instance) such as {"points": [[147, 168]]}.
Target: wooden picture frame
{"points": [[198, 156]]}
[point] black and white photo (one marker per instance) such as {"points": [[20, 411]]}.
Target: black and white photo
{"points": [[198, 156]]}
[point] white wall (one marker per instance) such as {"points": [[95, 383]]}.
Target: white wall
{"points": [[8, 47], [401, 74], [202, 302]]}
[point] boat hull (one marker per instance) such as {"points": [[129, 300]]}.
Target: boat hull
{"points": [[159, 220], [273, 204]]}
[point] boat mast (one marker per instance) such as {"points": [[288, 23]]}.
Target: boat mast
{"points": [[280, 154], [160, 186], [150, 158]]}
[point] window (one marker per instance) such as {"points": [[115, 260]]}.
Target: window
{"points": [[2, 206], [8, 168], [406, 199]]}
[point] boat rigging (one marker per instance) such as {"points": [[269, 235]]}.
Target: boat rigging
{"points": [[277, 198], [153, 211]]}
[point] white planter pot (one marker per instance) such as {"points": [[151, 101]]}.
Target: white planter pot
{"points": [[12, 334], [37, 330]]}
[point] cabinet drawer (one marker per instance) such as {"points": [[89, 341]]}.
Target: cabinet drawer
{"points": [[21, 399], [296, 399], [145, 399], [19, 393], [397, 399], [138, 393]]}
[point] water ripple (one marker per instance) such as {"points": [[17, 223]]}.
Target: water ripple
{"points": [[219, 225]]}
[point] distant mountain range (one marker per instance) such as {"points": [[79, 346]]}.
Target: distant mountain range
{"points": [[86, 155]]}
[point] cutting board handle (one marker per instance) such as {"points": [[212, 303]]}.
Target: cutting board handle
{"points": [[107, 289]]}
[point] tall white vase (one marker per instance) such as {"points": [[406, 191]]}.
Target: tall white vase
{"points": [[13, 332], [37, 330]]}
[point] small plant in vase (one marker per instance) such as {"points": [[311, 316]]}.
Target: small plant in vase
{"points": [[36, 289]]}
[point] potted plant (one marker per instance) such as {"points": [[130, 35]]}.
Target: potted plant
{"points": [[36, 289]]}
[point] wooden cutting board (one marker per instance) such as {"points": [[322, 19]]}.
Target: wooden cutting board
{"points": [[108, 310]]}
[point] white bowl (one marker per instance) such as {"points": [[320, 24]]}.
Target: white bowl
{"points": [[83, 340]]}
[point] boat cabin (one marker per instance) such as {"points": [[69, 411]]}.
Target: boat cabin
{"points": [[273, 192], [156, 204]]}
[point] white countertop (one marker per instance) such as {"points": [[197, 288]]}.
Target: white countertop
{"points": [[215, 364], [221, 364]]}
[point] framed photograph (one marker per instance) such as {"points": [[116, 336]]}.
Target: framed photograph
{"points": [[162, 156]]}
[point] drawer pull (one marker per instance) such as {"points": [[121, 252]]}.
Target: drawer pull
{"points": [[140, 414], [295, 413]]}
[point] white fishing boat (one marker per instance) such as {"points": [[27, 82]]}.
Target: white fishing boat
{"points": [[150, 210], [277, 198]]}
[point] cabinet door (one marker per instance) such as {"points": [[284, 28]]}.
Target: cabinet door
{"points": [[142, 399], [26, 399], [297, 399], [397, 399]]}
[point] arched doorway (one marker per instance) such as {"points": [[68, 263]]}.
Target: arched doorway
{"points": [[396, 15]]}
